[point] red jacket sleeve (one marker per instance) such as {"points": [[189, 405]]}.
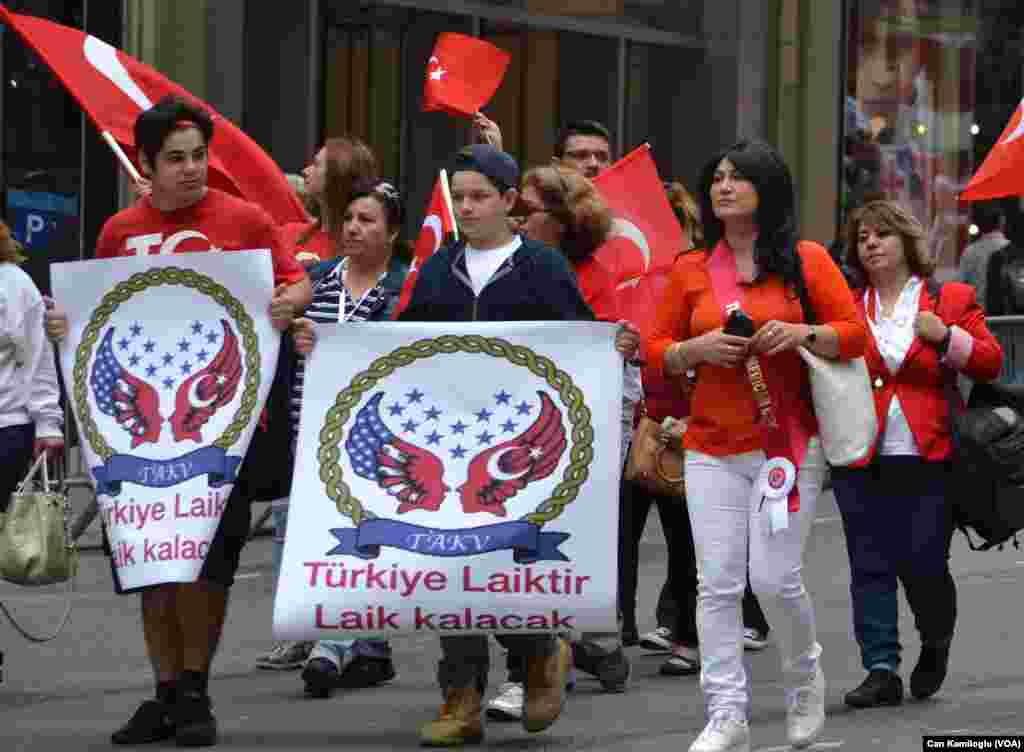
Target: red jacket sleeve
{"points": [[985, 359]]}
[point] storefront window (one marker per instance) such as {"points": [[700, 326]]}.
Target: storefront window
{"points": [[930, 85], [910, 112]]}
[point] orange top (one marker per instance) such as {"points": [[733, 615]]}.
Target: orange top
{"points": [[723, 414]]}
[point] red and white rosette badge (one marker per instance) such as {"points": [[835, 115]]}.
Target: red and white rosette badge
{"points": [[776, 481]]}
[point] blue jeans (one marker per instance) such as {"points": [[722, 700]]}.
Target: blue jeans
{"points": [[899, 524]]}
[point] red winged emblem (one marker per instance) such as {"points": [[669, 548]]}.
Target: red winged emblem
{"points": [[208, 390], [411, 474], [133, 403], [499, 473]]}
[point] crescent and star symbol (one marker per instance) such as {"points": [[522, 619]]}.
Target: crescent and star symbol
{"points": [[437, 73], [623, 227]]}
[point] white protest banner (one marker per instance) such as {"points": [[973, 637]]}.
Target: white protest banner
{"points": [[168, 362], [455, 478]]}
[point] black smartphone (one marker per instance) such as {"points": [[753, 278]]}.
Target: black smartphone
{"points": [[739, 324]]}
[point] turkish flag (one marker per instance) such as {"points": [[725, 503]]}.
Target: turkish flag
{"points": [[113, 88], [462, 74], [645, 237], [1002, 172], [438, 224]]}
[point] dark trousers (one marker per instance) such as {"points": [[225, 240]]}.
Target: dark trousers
{"points": [[898, 523], [15, 455]]}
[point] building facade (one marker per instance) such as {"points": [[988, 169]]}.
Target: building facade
{"points": [[864, 97]]}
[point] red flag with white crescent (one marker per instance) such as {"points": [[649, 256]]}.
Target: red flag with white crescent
{"points": [[113, 88], [1002, 172], [645, 237], [438, 224], [463, 73]]}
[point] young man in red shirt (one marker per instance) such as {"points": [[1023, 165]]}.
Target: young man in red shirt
{"points": [[182, 622]]}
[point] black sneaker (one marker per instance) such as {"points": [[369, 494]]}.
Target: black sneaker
{"points": [[881, 687], [322, 676], [152, 722], [364, 671], [196, 726], [611, 669], [930, 671]]}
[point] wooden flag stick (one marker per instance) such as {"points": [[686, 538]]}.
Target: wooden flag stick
{"points": [[121, 156], [446, 192]]}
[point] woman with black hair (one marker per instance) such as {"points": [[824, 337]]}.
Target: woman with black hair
{"points": [[754, 464]]}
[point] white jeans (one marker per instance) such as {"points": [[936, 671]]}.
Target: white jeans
{"points": [[730, 529]]}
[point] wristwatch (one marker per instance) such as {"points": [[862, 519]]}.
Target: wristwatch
{"points": [[811, 338]]}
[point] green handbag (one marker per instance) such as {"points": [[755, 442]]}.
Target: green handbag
{"points": [[35, 548]]}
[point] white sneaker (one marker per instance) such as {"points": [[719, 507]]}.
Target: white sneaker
{"points": [[660, 640], [507, 705], [754, 640], [723, 734], [805, 716]]}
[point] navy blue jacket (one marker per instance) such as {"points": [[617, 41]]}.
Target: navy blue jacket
{"points": [[535, 283]]}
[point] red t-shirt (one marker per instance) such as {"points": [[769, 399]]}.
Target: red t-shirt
{"points": [[318, 244], [218, 220]]}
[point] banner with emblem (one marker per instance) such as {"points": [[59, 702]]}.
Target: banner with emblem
{"points": [[167, 365], [455, 478]]}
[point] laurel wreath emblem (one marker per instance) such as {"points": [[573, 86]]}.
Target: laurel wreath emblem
{"points": [[332, 435], [123, 292]]}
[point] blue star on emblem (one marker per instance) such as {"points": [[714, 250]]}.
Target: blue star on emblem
{"points": [[184, 345], [150, 346], [414, 396], [168, 359], [458, 452], [197, 328], [485, 438], [168, 383], [432, 414], [483, 416], [202, 355], [186, 367], [151, 371], [410, 426], [123, 343], [135, 329], [508, 426], [396, 409], [134, 360], [459, 427], [523, 409], [434, 438], [211, 337], [502, 397]]}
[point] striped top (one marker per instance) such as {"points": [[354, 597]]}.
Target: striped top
{"points": [[329, 295]]}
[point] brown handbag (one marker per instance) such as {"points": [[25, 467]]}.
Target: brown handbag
{"points": [[653, 463]]}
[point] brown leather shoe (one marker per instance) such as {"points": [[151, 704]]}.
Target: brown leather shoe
{"points": [[545, 687], [458, 722]]}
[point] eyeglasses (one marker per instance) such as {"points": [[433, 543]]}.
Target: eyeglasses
{"points": [[582, 155]]}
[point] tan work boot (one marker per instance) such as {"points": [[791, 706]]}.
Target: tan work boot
{"points": [[458, 722], [545, 687]]}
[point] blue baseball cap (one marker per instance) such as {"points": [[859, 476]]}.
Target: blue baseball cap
{"points": [[497, 166]]}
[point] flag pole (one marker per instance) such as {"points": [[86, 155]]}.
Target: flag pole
{"points": [[121, 156], [447, 194]]}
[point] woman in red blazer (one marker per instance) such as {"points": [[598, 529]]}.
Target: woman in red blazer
{"points": [[896, 514]]}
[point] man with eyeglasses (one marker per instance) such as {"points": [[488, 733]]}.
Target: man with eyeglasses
{"points": [[584, 145]]}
